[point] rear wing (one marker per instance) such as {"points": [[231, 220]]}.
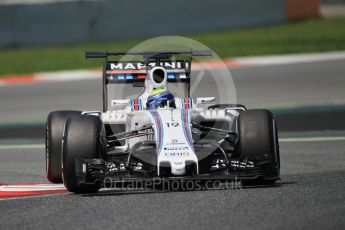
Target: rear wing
{"points": [[135, 72], [127, 72], [148, 54]]}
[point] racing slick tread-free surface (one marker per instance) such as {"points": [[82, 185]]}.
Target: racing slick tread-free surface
{"points": [[258, 141], [54, 132], [82, 140]]}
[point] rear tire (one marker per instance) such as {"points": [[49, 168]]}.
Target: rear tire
{"points": [[258, 142], [54, 132], [82, 140]]}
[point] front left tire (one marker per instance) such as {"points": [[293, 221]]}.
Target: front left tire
{"points": [[258, 142], [83, 139], [53, 141]]}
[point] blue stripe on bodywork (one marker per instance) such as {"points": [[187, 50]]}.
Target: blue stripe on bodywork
{"points": [[140, 104], [160, 133], [132, 104]]}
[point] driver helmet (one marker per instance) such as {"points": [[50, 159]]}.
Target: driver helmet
{"points": [[160, 98]]}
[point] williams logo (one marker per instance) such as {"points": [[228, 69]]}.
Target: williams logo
{"points": [[180, 154], [142, 66], [175, 148]]}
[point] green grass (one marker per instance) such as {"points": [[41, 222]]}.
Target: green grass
{"points": [[315, 35]]}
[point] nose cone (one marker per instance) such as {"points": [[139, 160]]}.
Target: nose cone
{"points": [[174, 144]]}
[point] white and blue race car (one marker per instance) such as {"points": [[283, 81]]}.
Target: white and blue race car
{"points": [[158, 135]]}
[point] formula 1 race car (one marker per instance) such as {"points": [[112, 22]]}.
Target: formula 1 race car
{"points": [[158, 135]]}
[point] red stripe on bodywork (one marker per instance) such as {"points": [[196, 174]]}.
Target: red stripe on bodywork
{"points": [[136, 104], [185, 113], [186, 103]]}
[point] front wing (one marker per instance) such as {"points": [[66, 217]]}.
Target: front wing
{"points": [[92, 171]]}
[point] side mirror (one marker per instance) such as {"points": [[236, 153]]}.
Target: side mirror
{"points": [[120, 103], [205, 100]]}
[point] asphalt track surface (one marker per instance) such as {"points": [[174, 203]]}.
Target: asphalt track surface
{"points": [[310, 194], [258, 86]]}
